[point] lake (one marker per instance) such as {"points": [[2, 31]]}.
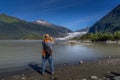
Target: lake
{"points": [[17, 53]]}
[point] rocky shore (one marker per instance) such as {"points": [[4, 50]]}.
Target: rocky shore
{"points": [[108, 69]]}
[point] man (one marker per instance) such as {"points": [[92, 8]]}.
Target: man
{"points": [[47, 53]]}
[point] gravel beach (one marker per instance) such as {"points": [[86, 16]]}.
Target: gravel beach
{"points": [[108, 69]]}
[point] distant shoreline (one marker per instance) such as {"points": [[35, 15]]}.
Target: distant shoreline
{"points": [[108, 41], [89, 42]]}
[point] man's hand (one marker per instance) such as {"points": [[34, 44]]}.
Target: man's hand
{"points": [[51, 39]]}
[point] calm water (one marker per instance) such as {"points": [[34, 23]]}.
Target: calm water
{"points": [[16, 53]]}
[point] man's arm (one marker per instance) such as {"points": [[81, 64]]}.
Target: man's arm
{"points": [[52, 40]]}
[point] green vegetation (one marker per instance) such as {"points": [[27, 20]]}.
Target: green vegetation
{"points": [[14, 28], [107, 28], [101, 36], [8, 19], [31, 37], [109, 23]]}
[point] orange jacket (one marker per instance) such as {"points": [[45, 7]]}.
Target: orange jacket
{"points": [[43, 51]]}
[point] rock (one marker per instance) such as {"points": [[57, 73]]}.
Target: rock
{"points": [[64, 64], [94, 77], [81, 62], [108, 72], [23, 78], [109, 57], [117, 78]]}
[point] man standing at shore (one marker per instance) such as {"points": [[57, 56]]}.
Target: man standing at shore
{"points": [[47, 53]]}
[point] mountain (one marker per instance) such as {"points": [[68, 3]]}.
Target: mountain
{"points": [[58, 29], [109, 23], [15, 28], [86, 29], [43, 22]]}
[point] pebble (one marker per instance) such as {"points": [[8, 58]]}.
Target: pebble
{"points": [[81, 62], [94, 77], [108, 72], [64, 64], [117, 78], [109, 57], [23, 78]]}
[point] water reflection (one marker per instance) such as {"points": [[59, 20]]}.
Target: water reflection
{"points": [[20, 53]]}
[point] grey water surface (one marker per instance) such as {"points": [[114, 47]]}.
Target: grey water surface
{"points": [[16, 53]]}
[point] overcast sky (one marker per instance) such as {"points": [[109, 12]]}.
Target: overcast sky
{"points": [[73, 14]]}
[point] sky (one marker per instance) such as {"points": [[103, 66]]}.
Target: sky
{"points": [[72, 14]]}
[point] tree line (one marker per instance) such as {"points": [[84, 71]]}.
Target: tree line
{"points": [[101, 36]]}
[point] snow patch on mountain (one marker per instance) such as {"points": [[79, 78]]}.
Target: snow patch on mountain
{"points": [[42, 22]]}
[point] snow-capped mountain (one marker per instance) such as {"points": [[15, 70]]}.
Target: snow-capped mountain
{"points": [[42, 22], [53, 27], [15, 28]]}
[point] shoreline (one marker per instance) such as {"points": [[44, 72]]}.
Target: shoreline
{"points": [[82, 70], [89, 41]]}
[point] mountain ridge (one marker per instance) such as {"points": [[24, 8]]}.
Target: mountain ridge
{"points": [[86, 29], [15, 28], [109, 23]]}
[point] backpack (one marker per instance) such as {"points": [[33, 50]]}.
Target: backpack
{"points": [[47, 49]]}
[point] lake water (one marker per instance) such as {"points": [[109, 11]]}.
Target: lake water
{"points": [[16, 53]]}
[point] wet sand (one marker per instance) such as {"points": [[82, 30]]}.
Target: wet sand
{"points": [[95, 70]]}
